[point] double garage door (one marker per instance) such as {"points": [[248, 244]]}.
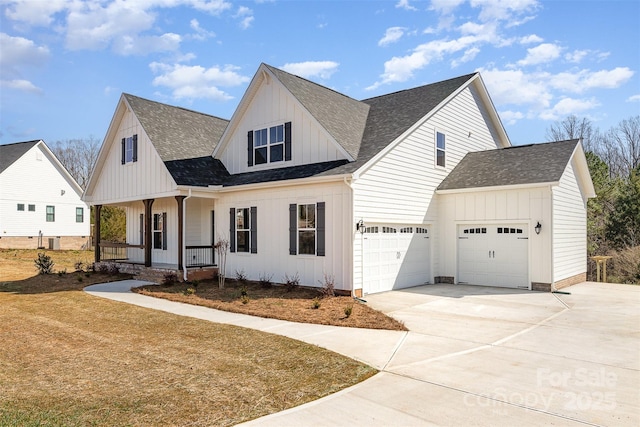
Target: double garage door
{"points": [[493, 255], [395, 257]]}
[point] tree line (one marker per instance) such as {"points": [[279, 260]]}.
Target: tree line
{"points": [[613, 216]]}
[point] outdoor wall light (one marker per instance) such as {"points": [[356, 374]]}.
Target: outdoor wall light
{"points": [[538, 227], [360, 226]]}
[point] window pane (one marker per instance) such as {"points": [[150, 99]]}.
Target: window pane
{"points": [[129, 149], [260, 155], [307, 242], [280, 135], [79, 215], [51, 214], [32, 208], [307, 216], [440, 157], [242, 241], [273, 132], [440, 140], [157, 240], [276, 153], [20, 206]]}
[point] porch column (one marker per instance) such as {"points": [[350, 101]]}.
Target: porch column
{"points": [[96, 231], [180, 200], [148, 235]]}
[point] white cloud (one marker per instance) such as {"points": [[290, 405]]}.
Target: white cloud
{"points": [[469, 55], [500, 10], [200, 33], [634, 98], [445, 7], [197, 82], [543, 53], [584, 80], [576, 56], [18, 52], [392, 35], [531, 38], [246, 17], [35, 12], [514, 87], [127, 45], [21, 85], [404, 4], [309, 69], [511, 117], [568, 106]]}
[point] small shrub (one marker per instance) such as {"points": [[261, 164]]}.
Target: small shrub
{"points": [[244, 299], [195, 283], [189, 291], [348, 310], [169, 279], [328, 288], [79, 266], [90, 267], [291, 283], [316, 303], [240, 276], [265, 280], [79, 279], [44, 264], [243, 291], [62, 272]]}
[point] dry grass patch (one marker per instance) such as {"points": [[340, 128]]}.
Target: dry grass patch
{"points": [[296, 305], [72, 359]]}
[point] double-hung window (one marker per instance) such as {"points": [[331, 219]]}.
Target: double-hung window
{"points": [[79, 215], [307, 229], [32, 208], [20, 206], [51, 213], [440, 149], [269, 145], [243, 230], [159, 230]]}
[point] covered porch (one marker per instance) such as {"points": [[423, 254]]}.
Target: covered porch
{"points": [[167, 234]]}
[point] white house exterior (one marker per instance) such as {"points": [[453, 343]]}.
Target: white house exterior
{"points": [[375, 193], [40, 203]]}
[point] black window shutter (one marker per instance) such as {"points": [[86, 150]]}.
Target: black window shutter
{"points": [[254, 230], [232, 230], [135, 148], [287, 141], [293, 230], [123, 151], [164, 231], [320, 228], [250, 148]]}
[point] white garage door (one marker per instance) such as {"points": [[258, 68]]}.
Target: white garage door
{"points": [[493, 255], [395, 257]]}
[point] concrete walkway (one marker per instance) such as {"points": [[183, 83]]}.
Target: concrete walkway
{"points": [[473, 356]]}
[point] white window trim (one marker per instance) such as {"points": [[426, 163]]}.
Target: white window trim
{"points": [[247, 229], [436, 149], [314, 229], [269, 144]]}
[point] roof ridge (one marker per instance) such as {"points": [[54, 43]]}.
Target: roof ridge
{"points": [[21, 142], [537, 144], [174, 106], [467, 76]]}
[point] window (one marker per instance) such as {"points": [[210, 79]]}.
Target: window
{"points": [[269, 145], [389, 230], [51, 213], [21, 206], [406, 230], [129, 149], [243, 230], [421, 230], [32, 208], [373, 229], [440, 149], [159, 231], [79, 215], [307, 229]]}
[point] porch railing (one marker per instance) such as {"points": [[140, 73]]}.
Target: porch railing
{"points": [[200, 256], [110, 251]]}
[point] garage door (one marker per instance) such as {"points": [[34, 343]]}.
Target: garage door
{"points": [[395, 257], [493, 255]]}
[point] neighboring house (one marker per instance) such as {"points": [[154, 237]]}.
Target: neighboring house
{"points": [[417, 186], [40, 202]]}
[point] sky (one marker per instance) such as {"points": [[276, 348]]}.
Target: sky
{"points": [[65, 63]]}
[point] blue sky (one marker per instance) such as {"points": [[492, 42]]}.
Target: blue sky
{"points": [[64, 63]]}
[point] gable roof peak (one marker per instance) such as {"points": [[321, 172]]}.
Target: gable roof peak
{"points": [[9, 153]]}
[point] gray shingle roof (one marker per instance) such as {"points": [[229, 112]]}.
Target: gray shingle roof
{"points": [[177, 133], [525, 164], [9, 153], [343, 117]]}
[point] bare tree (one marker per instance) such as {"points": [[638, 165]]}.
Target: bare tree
{"points": [[624, 143], [78, 156], [573, 127]]}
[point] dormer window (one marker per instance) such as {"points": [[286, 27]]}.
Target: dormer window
{"points": [[129, 149], [269, 145]]}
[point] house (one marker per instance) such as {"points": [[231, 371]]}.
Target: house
{"points": [[413, 187], [40, 202]]}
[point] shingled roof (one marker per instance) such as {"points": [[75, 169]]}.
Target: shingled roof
{"points": [[177, 133], [517, 165], [343, 117], [9, 153]]}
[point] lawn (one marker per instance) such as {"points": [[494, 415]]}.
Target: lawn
{"points": [[70, 359]]}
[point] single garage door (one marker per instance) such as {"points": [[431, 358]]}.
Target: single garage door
{"points": [[493, 255], [395, 257]]}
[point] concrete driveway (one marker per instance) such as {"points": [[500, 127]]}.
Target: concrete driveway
{"points": [[493, 356]]}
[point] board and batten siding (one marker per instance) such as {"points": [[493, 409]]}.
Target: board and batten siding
{"points": [[133, 211], [273, 105], [272, 257], [569, 227], [524, 206], [146, 178], [400, 187], [34, 179], [198, 218]]}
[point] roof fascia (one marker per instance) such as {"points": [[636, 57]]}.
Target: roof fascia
{"points": [[500, 187], [362, 169], [491, 109], [579, 159], [286, 183], [138, 198]]}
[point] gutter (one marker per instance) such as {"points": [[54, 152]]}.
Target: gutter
{"points": [[286, 183], [184, 236]]}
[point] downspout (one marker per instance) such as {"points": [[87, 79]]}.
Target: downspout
{"points": [[184, 236], [353, 290]]}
